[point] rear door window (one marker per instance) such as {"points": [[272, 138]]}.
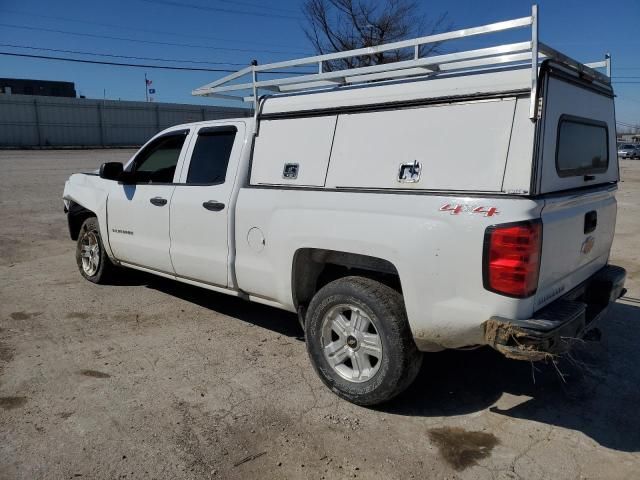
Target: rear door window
{"points": [[582, 147], [210, 156]]}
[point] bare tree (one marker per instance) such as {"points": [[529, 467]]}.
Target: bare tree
{"points": [[338, 25]]}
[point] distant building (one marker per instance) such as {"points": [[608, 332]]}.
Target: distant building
{"points": [[47, 88], [629, 137], [29, 121]]}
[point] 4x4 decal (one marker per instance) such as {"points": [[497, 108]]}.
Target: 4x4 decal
{"points": [[457, 209]]}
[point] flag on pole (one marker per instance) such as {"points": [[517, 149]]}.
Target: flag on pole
{"points": [[149, 82]]}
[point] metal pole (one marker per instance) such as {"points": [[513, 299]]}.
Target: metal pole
{"points": [[146, 88], [100, 124], [533, 108], [254, 78], [38, 126], [607, 59]]}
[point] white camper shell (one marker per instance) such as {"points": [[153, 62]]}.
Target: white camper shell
{"points": [[485, 96], [449, 201]]}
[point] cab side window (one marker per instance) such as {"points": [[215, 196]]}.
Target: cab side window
{"points": [[210, 156], [157, 162]]}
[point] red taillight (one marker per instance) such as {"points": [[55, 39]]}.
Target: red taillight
{"points": [[512, 258]]}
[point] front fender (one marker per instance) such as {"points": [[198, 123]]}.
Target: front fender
{"points": [[90, 192]]}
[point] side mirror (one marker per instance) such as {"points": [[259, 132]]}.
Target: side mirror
{"points": [[111, 170]]}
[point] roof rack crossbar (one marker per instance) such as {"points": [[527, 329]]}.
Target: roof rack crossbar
{"points": [[531, 51]]}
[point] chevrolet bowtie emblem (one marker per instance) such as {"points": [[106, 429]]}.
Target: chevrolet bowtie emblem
{"points": [[587, 245]]}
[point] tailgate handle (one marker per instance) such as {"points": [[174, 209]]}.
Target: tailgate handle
{"points": [[590, 221]]}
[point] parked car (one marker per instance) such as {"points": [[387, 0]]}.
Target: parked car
{"points": [[348, 205], [628, 150]]}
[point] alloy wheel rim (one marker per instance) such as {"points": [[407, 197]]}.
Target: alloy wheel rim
{"points": [[90, 253], [351, 343]]}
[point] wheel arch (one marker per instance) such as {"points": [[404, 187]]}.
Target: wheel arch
{"points": [[312, 268], [76, 215]]}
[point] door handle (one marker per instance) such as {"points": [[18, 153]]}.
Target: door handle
{"points": [[213, 205], [158, 201]]}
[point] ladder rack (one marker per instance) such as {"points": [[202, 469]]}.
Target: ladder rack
{"points": [[530, 52]]}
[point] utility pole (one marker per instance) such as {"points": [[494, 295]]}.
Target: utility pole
{"points": [[146, 88]]}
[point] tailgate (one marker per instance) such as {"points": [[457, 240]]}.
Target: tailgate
{"points": [[577, 235]]}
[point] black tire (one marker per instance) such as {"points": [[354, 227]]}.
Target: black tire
{"points": [[105, 268], [401, 360]]}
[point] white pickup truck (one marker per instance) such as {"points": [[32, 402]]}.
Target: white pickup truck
{"points": [[442, 202]]}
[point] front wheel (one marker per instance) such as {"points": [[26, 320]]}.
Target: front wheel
{"points": [[92, 260], [359, 340]]}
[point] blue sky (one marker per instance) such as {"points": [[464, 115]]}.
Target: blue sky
{"points": [[236, 31]]}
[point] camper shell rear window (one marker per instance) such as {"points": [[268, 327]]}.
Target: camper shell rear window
{"points": [[582, 146]]}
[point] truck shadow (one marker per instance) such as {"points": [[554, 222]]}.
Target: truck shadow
{"points": [[279, 321], [596, 391]]}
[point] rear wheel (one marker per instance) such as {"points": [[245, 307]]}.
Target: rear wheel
{"points": [[92, 260], [359, 340]]}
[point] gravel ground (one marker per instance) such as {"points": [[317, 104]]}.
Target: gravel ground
{"points": [[154, 379]]}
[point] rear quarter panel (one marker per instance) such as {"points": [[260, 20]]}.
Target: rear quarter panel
{"points": [[438, 254]]}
